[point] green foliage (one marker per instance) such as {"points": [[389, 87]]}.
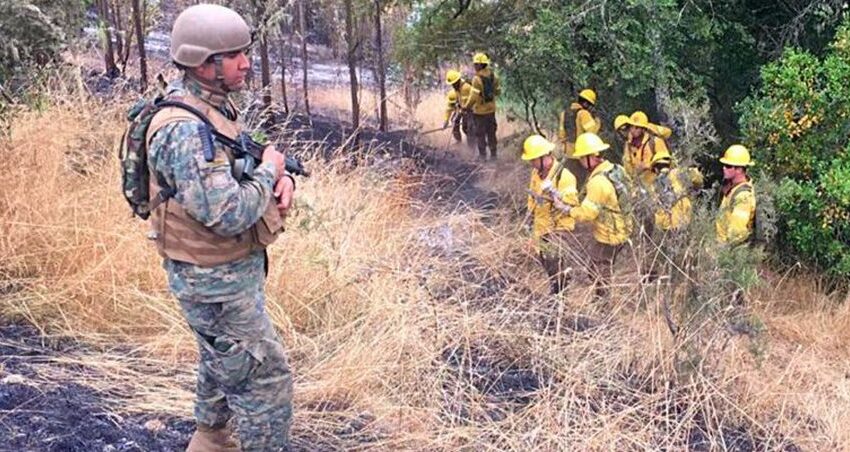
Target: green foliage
{"points": [[637, 54], [33, 32], [798, 124]]}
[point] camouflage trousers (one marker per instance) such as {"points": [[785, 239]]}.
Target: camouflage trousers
{"points": [[243, 371]]}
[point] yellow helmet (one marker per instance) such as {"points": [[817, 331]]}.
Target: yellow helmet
{"points": [[737, 155], [588, 143], [620, 121], [536, 146], [452, 76], [661, 131], [661, 157], [588, 95], [452, 96], [639, 119], [481, 58]]}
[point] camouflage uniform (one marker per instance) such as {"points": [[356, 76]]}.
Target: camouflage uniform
{"points": [[243, 369]]}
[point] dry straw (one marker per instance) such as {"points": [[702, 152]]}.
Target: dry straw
{"points": [[412, 321]]}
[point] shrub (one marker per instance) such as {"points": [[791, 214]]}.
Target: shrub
{"points": [[798, 125]]}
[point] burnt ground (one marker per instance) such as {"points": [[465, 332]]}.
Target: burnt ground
{"points": [[64, 415], [37, 413]]}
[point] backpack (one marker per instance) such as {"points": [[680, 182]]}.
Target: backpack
{"points": [[621, 182], [765, 219], [666, 194], [133, 155], [489, 91]]}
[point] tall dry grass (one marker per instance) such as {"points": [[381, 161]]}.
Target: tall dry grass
{"points": [[410, 325]]}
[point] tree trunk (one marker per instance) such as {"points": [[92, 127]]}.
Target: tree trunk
{"points": [[302, 29], [108, 51], [381, 74], [283, 61], [265, 71], [120, 47], [352, 64], [140, 38]]}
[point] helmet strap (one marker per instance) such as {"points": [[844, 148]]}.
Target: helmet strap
{"points": [[218, 61]]}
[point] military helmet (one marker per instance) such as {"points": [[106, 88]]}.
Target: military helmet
{"points": [[201, 31]]}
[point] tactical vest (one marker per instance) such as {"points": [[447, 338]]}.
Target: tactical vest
{"points": [[180, 237]]}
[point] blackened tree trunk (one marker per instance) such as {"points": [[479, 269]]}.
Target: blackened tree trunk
{"points": [[108, 51], [283, 61], [139, 25], [352, 43], [122, 48], [265, 71], [302, 29], [260, 15], [380, 70]]}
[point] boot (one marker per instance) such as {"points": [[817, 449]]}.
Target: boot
{"points": [[208, 439]]}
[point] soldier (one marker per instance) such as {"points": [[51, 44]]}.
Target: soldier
{"points": [[213, 232]]}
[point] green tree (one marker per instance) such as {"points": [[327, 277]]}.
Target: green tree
{"points": [[798, 123], [33, 33]]}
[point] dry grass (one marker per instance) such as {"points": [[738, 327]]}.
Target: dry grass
{"points": [[427, 115], [407, 327]]}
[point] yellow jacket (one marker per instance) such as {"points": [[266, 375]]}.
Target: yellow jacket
{"points": [[737, 214], [637, 159], [585, 122], [463, 98], [546, 217], [671, 191], [602, 207], [476, 98]]}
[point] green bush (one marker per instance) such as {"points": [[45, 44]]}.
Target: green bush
{"points": [[33, 32], [798, 125]]}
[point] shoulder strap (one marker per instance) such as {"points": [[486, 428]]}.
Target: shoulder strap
{"points": [[208, 132], [746, 187]]}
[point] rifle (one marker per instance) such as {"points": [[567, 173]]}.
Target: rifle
{"points": [[243, 146]]}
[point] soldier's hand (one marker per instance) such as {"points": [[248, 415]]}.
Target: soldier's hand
{"points": [[278, 159], [283, 191]]}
